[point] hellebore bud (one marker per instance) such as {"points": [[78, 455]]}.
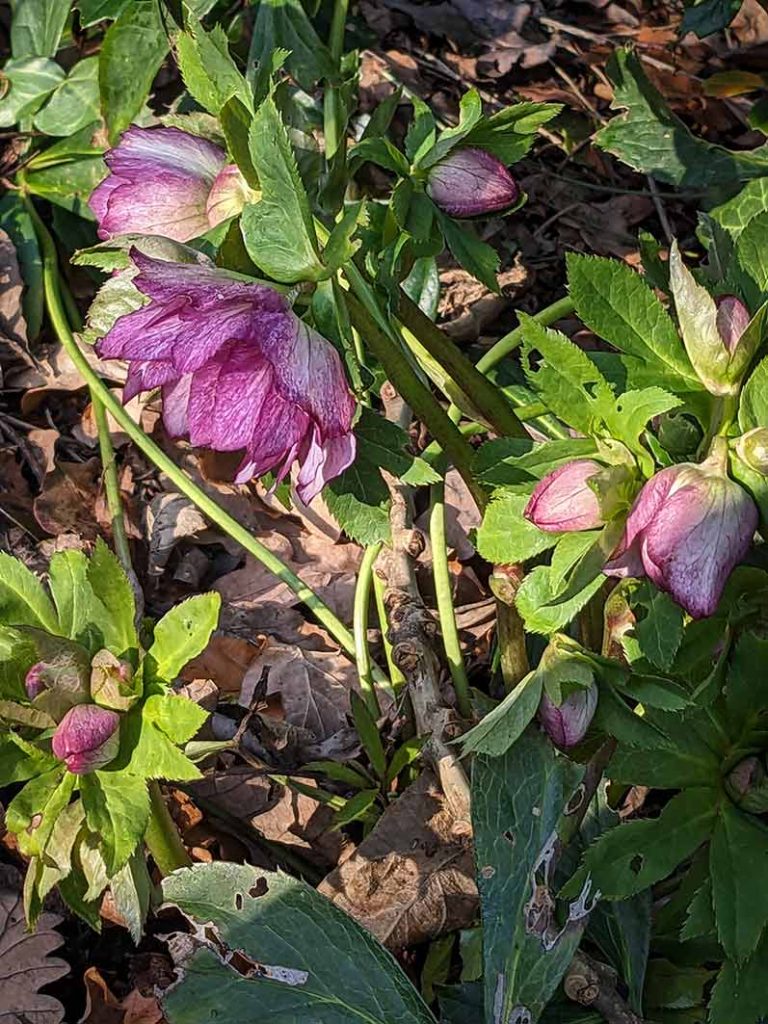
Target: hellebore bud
{"points": [[563, 501], [679, 434], [715, 333], [566, 723], [111, 682], [688, 528], [87, 738], [34, 680], [471, 182], [747, 785], [752, 449], [229, 193]]}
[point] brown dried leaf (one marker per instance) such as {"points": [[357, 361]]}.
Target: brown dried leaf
{"points": [[225, 660], [103, 1007], [313, 686], [413, 878], [68, 499], [25, 966]]}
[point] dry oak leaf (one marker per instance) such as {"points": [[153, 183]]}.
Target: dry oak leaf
{"points": [[25, 966], [413, 878]]}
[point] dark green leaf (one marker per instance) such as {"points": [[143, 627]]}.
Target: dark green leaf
{"points": [[741, 994], [36, 27], [738, 856], [133, 50], [658, 630], [517, 801], [650, 138], [330, 968], [736, 213], [503, 726], [27, 82], [705, 17], [74, 103], [478, 258], [92, 11], [279, 230], [208, 70], [516, 460], [674, 987], [633, 856], [511, 132], [284, 25], [540, 604]]}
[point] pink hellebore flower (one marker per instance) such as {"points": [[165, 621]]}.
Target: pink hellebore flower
{"points": [[563, 501], [164, 181], [87, 738], [238, 370], [471, 182], [566, 724], [688, 528]]}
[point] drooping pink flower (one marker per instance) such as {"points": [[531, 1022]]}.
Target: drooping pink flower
{"points": [[563, 501], [471, 182], [87, 738], [566, 724], [238, 370], [164, 181], [688, 528]]}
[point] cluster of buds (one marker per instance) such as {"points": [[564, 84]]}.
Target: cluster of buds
{"points": [[687, 529], [85, 698]]}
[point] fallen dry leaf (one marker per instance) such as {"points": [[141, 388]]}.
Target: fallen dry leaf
{"points": [[103, 1007], [225, 660], [25, 966], [313, 686], [413, 877]]}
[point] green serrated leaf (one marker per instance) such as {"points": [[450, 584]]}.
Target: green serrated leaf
{"points": [[117, 810], [279, 231], [735, 214], [637, 854], [208, 70], [753, 405], [93, 11], [146, 752], [506, 536], [23, 600], [738, 855], [477, 257], [33, 813], [516, 460], [112, 588], [741, 993], [659, 632], [284, 25], [752, 257], [178, 717], [182, 633], [539, 604]]}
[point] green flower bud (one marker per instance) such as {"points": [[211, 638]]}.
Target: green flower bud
{"points": [[752, 449]]}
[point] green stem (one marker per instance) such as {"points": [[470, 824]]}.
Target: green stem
{"points": [[509, 342], [379, 588], [483, 394], [360, 627], [178, 478], [446, 614], [510, 634], [106, 450], [418, 397], [332, 114], [162, 837], [111, 484]]}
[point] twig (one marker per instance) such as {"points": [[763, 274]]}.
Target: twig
{"points": [[590, 983], [412, 635]]}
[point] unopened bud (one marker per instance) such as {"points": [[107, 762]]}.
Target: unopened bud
{"points": [[747, 785], [34, 681], [563, 501], [471, 182], [111, 682], [732, 320], [87, 738], [752, 448], [566, 724]]}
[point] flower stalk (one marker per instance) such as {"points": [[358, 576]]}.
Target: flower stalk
{"points": [[445, 610], [360, 627]]}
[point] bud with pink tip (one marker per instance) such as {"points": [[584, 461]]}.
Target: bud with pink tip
{"points": [[34, 681], [471, 182], [688, 528], [566, 723], [747, 785], [563, 501], [752, 449], [87, 738], [717, 333]]}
